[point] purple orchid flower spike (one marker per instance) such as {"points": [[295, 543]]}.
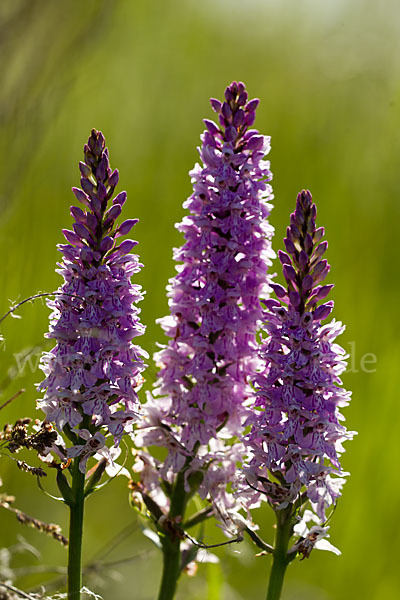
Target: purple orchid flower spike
{"points": [[94, 370], [214, 306], [297, 433]]}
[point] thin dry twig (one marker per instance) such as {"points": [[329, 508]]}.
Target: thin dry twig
{"points": [[49, 528], [15, 590], [34, 297], [12, 398]]}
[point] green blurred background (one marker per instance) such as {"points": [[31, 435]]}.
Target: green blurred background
{"points": [[327, 73]]}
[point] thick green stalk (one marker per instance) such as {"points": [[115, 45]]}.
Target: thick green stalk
{"points": [[171, 543], [280, 560], [76, 507], [171, 567]]}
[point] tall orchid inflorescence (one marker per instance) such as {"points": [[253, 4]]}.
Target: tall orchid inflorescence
{"points": [[214, 306], [296, 435], [93, 372], [203, 384]]}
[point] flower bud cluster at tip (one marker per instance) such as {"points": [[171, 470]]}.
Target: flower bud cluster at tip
{"points": [[235, 116], [302, 264], [93, 232], [296, 432], [214, 298], [94, 369]]}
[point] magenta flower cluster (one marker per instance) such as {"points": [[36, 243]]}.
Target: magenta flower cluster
{"points": [[297, 434], [213, 299], [93, 372]]}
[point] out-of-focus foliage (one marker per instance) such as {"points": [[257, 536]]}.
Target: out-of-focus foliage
{"points": [[327, 74]]}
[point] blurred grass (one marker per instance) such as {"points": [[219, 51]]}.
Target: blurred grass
{"points": [[327, 74]]}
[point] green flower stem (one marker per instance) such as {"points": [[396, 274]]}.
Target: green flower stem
{"points": [[76, 507], [281, 559], [171, 567], [171, 543]]}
